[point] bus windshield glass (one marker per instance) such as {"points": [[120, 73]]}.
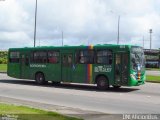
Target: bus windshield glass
{"points": [[137, 58]]}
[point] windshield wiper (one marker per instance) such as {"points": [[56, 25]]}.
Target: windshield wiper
{"points": [[137, 56]]}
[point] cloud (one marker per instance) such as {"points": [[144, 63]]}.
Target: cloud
{"points": [[82, 22], [13, 18]]}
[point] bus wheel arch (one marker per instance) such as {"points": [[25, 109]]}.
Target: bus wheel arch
{"points": [[102, 82], [40, 78]]}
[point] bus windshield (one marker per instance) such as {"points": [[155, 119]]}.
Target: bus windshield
{"points": [[137, 58]]}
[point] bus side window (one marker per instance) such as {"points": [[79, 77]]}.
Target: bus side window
{"points": [[82, 60], [104, 57], [53, 57], [65, 63], [39, 57], [14, 57], [86, 57], [69, 59], [118, 62], [110, 59], [77, 57]]}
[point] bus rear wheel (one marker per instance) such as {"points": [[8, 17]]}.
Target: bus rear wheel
{"points": [[40, 79], [102, 83]]}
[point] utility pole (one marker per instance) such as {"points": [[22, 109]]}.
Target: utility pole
{"points": [[35, 27], [118, 29], [119, 17], [143, 42], [150, 31], [159, 57]]}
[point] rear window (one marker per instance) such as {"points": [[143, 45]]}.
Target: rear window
{"points": [[14, 57]]}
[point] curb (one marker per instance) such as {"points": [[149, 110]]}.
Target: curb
{"points": [[68, 111], [153, 81], [3, 72]]}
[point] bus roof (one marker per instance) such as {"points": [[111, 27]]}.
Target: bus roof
{"points": [[111, 46]]}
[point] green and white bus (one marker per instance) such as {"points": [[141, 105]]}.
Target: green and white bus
{"points": [[105, 65]]}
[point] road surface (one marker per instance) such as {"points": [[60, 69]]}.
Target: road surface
{"points": [[154, 73], [139, 99]]}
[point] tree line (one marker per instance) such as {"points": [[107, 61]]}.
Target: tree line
{"points": [[3, 57]]}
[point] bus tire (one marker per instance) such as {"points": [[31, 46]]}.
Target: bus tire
{"points": [[40, 78], [102, 83]]}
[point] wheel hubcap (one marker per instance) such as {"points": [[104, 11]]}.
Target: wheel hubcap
{"points": [[102, 83], [40, 78]]}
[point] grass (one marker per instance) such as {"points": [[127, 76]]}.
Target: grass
{"points": [[150, 78], [3, 67], [26, 113]]}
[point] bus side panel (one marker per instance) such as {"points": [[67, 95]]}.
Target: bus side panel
{"points": [[53, 72], [13, 70], [34, 70], [79, 73], [13, 65], [104, 70]]}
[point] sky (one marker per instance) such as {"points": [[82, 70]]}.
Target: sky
{"points": [[83, 22]]}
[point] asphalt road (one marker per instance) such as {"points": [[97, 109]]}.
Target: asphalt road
{"points": [[139, 99]]}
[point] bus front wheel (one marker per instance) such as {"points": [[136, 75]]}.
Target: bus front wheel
{"points": [[40, 79], [102, 83]]}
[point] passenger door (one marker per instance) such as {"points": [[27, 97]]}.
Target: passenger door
{"points": [[121, 68], [67, 62], [24, 66]]}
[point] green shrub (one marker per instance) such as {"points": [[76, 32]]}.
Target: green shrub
{"points": [[3, 57]]}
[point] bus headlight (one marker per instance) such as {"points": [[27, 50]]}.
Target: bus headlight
{"points": [[133, 76]]}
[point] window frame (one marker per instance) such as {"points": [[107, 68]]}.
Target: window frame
{"points": [[33, 60], [77, 56], [107, 57], [14, 59], [57, 57], [32, 57]]}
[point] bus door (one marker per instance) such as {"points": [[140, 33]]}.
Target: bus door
{"points": [[67, 62], [24, 66], [121, 68]]}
